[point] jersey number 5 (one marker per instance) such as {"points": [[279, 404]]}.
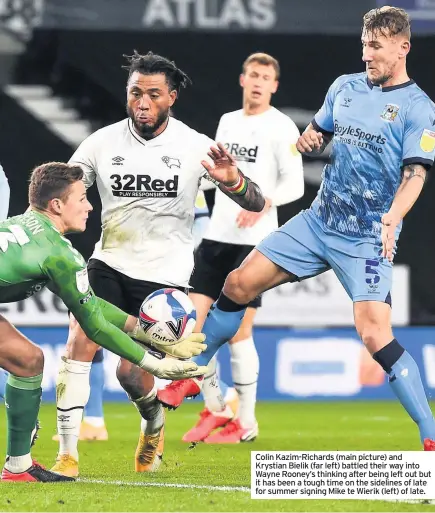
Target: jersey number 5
{"points": [[16, 235]]}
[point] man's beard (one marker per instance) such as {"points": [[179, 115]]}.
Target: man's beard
{"points": [[381, 80], [147, 131]]}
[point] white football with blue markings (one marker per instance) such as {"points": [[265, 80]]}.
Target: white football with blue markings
{"points": [[167, 316]]}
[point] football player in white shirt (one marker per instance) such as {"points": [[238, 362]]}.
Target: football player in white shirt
{"points": [[147, 168], [263, 141]]}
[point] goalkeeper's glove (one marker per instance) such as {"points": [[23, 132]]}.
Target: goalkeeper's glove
{"points": [[191, 346], [170, 368]]}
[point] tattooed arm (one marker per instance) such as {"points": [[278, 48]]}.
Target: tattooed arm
{"points": [[251, 199], [414, 176], [231, 181]]}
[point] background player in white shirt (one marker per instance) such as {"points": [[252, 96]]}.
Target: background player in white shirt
{"points": [[147, 168], [263, 141]]}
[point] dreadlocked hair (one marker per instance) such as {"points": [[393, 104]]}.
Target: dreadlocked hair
{"points": [[151, 64]]}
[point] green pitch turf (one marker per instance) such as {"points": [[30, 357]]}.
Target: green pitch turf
{"points": [[114, 486]]}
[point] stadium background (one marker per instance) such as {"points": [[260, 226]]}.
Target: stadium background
{"points": [[61, 78]]}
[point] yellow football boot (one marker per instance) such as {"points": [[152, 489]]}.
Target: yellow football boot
{"points": [[66, 465], [149, 452]]}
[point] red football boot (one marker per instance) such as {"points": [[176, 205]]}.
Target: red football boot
{"points": [[173, 394]]}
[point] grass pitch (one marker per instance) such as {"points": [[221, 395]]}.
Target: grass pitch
{"points": [[209, 478]]}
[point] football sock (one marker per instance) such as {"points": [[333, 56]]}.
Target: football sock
{"points": [[93, 413], [72, 393], [223, 386], [151, 411], [23, 398], [211, 390], [3, 380], [221, 324], [245, 366], [405, 381]]}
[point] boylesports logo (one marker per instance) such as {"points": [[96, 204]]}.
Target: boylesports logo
{"points": [[171, 162], [357, 137], [143, 186], [242, 153]]}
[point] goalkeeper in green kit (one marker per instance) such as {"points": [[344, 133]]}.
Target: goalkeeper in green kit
{"points": [[34, 254]]}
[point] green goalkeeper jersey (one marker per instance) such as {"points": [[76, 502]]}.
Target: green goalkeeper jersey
{"points": [[34, 254]]}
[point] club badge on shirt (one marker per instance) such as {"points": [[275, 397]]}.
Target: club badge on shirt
{"points": [[171, 162], [390, 112]]}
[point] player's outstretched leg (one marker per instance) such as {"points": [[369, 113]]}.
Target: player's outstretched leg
{"points": [[216, 413], [256, 274], [222, 323], [142, 392], [93, 427], [372, 320], [405, 380]]}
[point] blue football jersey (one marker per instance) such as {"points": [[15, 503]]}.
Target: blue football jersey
{"points": [[376, 132]]}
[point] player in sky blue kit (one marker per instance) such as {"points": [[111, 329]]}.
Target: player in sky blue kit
{"points": [[382, 127]]}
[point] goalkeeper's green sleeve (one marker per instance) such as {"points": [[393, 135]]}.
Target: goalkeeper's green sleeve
{"points": [[112, 313]]}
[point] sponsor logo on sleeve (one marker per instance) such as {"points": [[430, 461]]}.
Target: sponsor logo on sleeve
{"points": [[427, 141], [82, 281], [294, 150]]}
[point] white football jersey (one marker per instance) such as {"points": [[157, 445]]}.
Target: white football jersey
{"points": [[264, 147], [148, 191]]}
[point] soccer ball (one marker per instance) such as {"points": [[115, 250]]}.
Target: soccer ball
{"points": [[167, 316]]}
